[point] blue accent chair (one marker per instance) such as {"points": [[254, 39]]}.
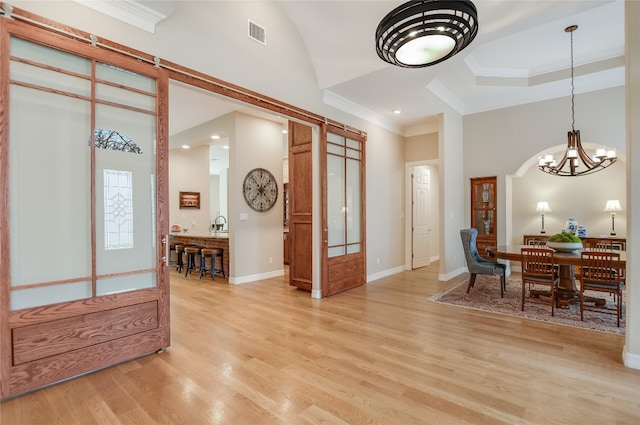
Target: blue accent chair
{"points": [[478, 265]]}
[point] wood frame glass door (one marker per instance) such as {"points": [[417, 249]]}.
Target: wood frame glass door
{"points": [[83, 158], [343, 210]]}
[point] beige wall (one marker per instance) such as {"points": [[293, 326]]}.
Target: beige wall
{"points": [[421, 148], [189, 172], [507, 142]]}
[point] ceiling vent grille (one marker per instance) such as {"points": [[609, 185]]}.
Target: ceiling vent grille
{"points": [[257, 33]]}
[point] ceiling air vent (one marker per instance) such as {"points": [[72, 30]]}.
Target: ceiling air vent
{"points": [[257, 33]]}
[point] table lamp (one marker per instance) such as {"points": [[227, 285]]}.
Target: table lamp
{"points": [[612, 206], [542, 208]]}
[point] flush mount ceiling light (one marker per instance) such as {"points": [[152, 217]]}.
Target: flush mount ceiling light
{"points": [[576, 162], [421, 33]]}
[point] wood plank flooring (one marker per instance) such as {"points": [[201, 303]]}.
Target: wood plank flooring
{"points": [[266, 353]]}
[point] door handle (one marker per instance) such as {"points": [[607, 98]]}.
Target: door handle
{"points": [[165, 259]]}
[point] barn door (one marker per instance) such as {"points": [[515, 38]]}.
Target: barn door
{"points": [[84, 173], [343, 212]]}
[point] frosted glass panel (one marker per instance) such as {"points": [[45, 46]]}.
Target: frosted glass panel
{"points": [[52, 79], [128, 283], [116, 94], [50, 187], [335, 139], [124, 77], [335, 200], [122, 177], [45, 55], [35, 297], [353, 201]]}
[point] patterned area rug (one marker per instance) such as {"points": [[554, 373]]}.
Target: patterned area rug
{"points": [[485, 295]]}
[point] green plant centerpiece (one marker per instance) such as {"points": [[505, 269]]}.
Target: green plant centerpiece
{"points": [[566, 242]]}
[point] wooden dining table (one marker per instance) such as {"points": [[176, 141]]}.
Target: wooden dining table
{"points": [[567, 291]]}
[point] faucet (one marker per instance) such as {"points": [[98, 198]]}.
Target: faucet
{"points": [[219, 226]]}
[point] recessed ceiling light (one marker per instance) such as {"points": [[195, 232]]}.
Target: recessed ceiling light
{"points": [[185, 146], [284, 131], [397, 111], [215, 137], [225, 147]]}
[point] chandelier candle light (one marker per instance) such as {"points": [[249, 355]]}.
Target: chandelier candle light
{"points": [[613, 205], [421, 33], [576, 162], [542, 208]]}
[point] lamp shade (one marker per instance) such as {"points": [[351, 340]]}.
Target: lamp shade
{"points": [[613, 205], [420, 33], [543, 207]]}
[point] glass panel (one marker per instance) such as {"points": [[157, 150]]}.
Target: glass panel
{"points": [[127, 283], [50, 187], [126, 78], [353, 201], [336, 139], [123, 176], [336, 251], [46, 78], [116, 94], [336, 208], [54, 58], [336, 150], [354, 144], [35, 297], [352, 249], [353, 154]]}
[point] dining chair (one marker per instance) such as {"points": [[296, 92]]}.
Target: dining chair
{"points": [[539, 268], [478, 265], [600, 271]]}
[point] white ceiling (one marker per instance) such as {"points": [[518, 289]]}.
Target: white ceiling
{"points": [[521, 55]]}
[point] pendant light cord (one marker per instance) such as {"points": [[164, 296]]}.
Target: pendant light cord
{"points": [[573, 104]]}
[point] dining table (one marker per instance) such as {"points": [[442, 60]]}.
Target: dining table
{"points": [[567, 291]]}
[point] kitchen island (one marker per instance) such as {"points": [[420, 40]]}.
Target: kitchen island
{"points": [[205, 240]]}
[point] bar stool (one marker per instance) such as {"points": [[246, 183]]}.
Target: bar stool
{"points": [[212, 253], [191, 252], [179, 248]]}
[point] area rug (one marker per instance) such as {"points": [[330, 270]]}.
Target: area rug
{"points": [[485, 296]]}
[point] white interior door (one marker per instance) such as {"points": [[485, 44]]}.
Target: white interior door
{"points": [[421, 229]]}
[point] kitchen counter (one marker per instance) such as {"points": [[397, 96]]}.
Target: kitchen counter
{"points": [[205, 240]]}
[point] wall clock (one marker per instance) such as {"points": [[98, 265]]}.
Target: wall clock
{"points": [[260, 190]]}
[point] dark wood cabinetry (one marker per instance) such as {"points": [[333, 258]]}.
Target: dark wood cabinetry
{"points": [[483, 212]]}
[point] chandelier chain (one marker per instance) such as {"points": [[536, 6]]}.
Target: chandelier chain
{"points": [[573, 103]]}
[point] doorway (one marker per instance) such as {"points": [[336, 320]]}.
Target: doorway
{"points": [[422, 237]]}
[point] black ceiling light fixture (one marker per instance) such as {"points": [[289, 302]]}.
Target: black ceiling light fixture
{"points": [[576, 161], [421, 33]]}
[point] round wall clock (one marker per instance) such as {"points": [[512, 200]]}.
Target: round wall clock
{"points": [[260, 190]]}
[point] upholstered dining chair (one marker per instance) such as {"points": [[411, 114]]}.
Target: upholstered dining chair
{"points": [[538, 268], [478, 265], [600, 271]]}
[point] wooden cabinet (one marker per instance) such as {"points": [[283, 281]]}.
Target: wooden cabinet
{"points": [[483, 212]]}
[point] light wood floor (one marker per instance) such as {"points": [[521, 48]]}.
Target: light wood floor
{"points": [[266, 353]]}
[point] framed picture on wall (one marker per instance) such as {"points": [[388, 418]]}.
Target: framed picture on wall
{"points": [[190, 200]]}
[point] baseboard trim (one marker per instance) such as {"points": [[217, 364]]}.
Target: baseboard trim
{"points": [[255, 277], [384, 273], [630, 360]]}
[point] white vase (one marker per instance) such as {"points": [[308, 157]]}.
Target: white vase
{"points": [[572, 226]]}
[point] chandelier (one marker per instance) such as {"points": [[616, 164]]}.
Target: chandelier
{"points": [[576, 162], [421, 33]]}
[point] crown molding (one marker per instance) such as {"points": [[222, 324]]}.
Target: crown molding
{"points": [[346, 105], [130, 12]]}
